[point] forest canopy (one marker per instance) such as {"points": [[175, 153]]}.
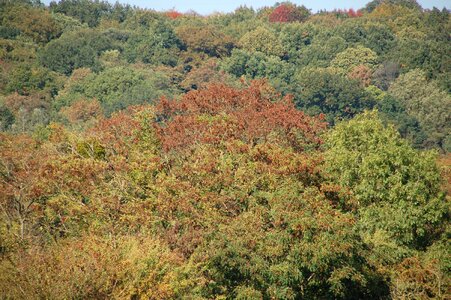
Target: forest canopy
{"points": [[270, 153]]}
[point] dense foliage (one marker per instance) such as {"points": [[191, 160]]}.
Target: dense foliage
{"points": [[260, 154]]}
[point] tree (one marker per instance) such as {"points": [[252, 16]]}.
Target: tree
{"points": [[396, 188], [347, 60], [157, 44], [263, 40], [82, 111], [385, 74], [373, 35], [26, 79], [320, 91], [205, 74], [321, 51], [67, 23], [420, 52], [258, 65], [89, 12], [159, 155], [92, 267], [115, 88], [173, 14], [407, 3], [361, 73], [29, 111], [6, 118], [21, 166], [207, 39], [288, 12], [394, 112], [75, 50], [425, 101], [295, 37], [244, 172], [33, 22], [248, 109]]}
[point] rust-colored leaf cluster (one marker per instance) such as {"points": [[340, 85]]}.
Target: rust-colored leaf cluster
{"points": [[221, 113], [286, 12]]}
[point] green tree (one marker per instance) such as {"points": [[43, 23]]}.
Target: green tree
{"points": [[295, 37], [155, 45], [370, 6], [26, 79], [89, 12], [6, 118], [394, 112], [350, 58], [321, 91], [258, 65], [75, 50], [67, 23], [425, 101], [376, 36], [321, 51], [422, 53], [396, 189], [263, 40], [116, 88]]}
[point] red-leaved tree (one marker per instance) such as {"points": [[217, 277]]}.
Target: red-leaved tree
{"points": [[288, 12], [219, 113], [173, 14]]}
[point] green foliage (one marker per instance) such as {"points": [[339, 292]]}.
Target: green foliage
{"points": [[89, 12], [370, 6], [262, 40], [373, 35], [396, 188], [345, 61], [117, 88], [425, 101], [35, 23], [67, 23], [431, 56], [258, 65], [8, 32], [284, 261], [295, 37], [168, 155], [393, 112], [6, 118], [320, 91], [321, 52], [156, 45], [75, 50], [26, 79]]}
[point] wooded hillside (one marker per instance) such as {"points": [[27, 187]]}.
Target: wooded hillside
{"points": [[273, 153]]}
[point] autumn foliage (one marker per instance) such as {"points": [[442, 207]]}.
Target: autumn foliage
{"points": [[350, 13], [265, 153], [288, 12], [220, 113], [186, 185], [173, 14]]}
